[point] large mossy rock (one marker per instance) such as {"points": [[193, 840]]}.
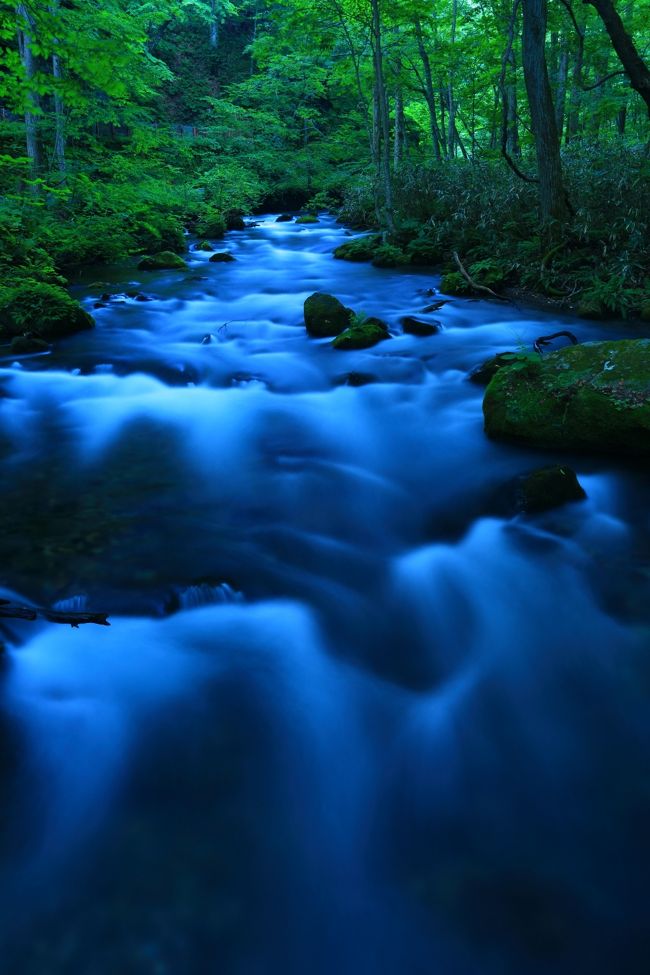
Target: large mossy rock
{"points": [[44, 310], [325, 316], [548, 487], [308, 218], [362, 336], [164, 261], [594, 396], [359, 250], [486, 371]]}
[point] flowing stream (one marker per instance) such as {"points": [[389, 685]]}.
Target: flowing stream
{"points": [[354, 715]]}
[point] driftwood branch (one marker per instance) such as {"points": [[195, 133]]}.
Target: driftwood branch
{"points": [[545, 339], [472, 283], [14, 611]]}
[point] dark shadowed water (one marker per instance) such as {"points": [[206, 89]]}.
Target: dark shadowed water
{"points": [[353, 716]]}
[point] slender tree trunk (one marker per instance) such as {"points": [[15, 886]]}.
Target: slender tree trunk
{"points": [[383, 116], [553, 206], [451, 137], [560, 95], [429, 93], [635, 67], [511, 98], [214, 25], [31, 118], [398, 128], [573, 121]]}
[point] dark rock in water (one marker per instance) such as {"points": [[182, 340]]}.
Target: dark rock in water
{"points": [[203, 245], [138, 296], [362, 336], [100, 304], [234, 221], [434, 306], [325, 316], [413, 326], [356, 379], [594, 396], [28, 344], [284, 218], [164, 261], [548, 487], [143, 298], [106, 296], [222, 257], [481, 375]]}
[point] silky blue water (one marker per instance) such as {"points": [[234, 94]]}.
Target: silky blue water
{"points": [[353, 713]]}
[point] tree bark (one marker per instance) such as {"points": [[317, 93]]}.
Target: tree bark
{"points": [[429, 93], [635, 67], [552, 198], [383, 116], [214, 25], [560, 96], [31, 117]]}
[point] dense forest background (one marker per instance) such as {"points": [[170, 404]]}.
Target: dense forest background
{"points": [[511, 133]]}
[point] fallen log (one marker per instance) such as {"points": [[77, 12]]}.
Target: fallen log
{"points": [[14, 611], [545, 339], [473, 284]]}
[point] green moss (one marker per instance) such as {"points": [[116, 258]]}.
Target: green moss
{"points": [[482, 374], [362, 336], [387, 255], [325, 316], [645, 311], [308, 218], [211, 223], [44, 310], [594, 396], [424, 252], [592, 309], [454, 283], [359, 250], [203, 245], [27, 344], [164, 261]]}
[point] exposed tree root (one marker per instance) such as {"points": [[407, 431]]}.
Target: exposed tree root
{"points": [[473, 284]]}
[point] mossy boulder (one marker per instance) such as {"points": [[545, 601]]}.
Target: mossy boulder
{"points": [[211, 223], [325, 316], [164, 261], [308, 218], [414, 326], [359, 250], [44, 310], [481, 375], [594, 396], [548, 487], [222, 257], [387, 255], [453, 283], [362, 336], [203, 245], [235, 221]]}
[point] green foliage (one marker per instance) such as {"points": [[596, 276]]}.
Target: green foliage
{"points": [[45, 310]]}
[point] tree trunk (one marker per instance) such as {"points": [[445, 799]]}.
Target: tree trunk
{"points": [[214, 25], [553, 206], [635, 67], [560, 96], [398, 128], [31, 118], [383, 117], [429, 93], [59, 123], [451, 137], [573, 121]]}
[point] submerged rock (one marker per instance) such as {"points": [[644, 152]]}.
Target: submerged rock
{"points": [[414, 326], [221, 257], [356, 379], [548, 487], [28, 344], [284, 218], [594, 396], [235, 221], [203, 245], [362, 336], [164, 261], [325, 316]]}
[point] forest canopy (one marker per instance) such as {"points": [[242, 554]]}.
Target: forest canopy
{"points": [[513, 133]]}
